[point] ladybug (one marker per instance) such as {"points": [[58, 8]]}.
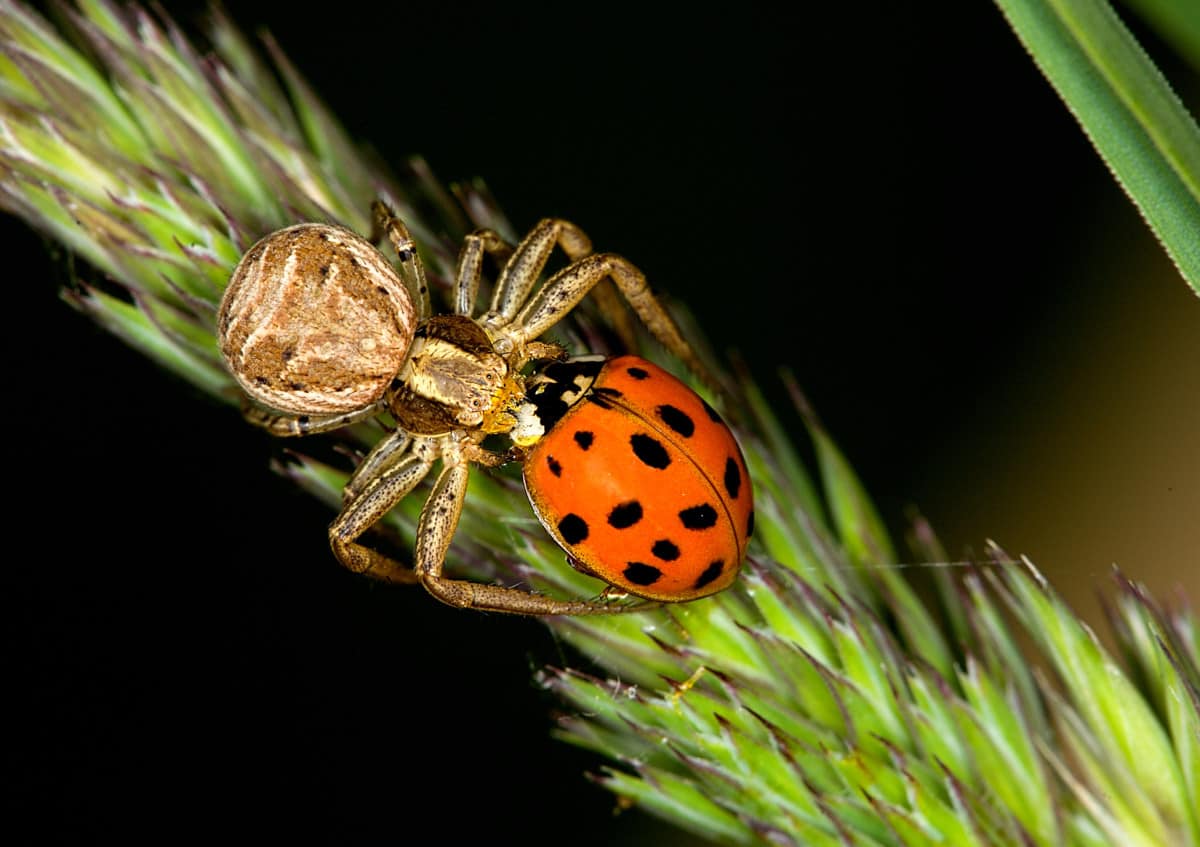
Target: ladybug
{"points": [[637, 478]]}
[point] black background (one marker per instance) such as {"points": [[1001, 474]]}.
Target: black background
{"points": [[883, 199]]}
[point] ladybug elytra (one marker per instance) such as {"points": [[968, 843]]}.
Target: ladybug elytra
{"points": [[638, 478]]}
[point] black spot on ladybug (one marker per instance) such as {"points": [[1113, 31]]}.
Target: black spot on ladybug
{"points": [[649, 450], [710, 573], [733, 478], [639, 573], [665, 550], [637, 373], [554, 466], [750, 524], [676, 420], [703, 516], [625, 515], [584, 439], [712, 413], [573, 528]]}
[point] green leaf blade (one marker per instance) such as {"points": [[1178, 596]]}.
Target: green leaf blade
{"points": [[1127, 110]]}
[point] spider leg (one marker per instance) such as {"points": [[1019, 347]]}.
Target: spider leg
{"points": [[284, 424], [615, 314], [563, 291], [382, 456], [411, 269], [373, 499], [436, 527], [522, 270], [470, 264]]}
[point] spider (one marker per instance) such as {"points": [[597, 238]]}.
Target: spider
{"points": [[320, 332]]}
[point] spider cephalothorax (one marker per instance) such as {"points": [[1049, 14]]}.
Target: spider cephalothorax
{"points": [[320, 331], [454, 379]]}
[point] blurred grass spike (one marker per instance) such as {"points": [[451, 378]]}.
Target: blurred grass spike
{"points": [[822, 700]]}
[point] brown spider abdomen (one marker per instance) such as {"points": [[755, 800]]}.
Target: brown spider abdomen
{"points": [[315, 321]]}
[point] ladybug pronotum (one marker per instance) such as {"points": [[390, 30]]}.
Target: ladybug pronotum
{"points": [[320, 331]]}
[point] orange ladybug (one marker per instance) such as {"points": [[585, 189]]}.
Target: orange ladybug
{"points": [[638, 478]]}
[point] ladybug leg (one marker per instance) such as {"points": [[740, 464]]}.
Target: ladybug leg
{"points": [[470, 266], [371, 499], [436, 527], [283, 424], [563, 291]]}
